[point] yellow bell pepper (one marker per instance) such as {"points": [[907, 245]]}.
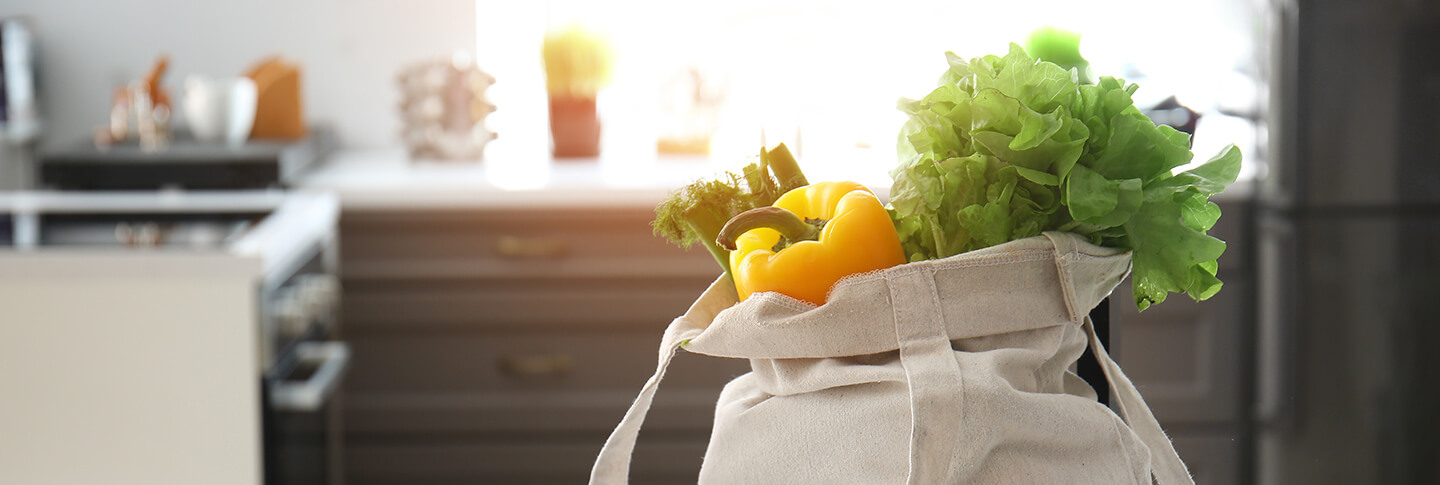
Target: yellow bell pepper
{"points": [[809, 239]]}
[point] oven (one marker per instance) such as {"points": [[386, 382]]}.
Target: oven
{"points": [[304, 363], [300, 386], [300, 410]]}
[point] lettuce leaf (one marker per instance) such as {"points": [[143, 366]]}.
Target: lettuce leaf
{"points": [[1008, 146], [1172, 253]]}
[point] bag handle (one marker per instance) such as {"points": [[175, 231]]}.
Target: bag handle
{"points": [[612, 466], [932, 374], [1166, 465]]}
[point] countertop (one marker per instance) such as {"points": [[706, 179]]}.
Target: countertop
{"points": [[386, 179], [295, 220]]}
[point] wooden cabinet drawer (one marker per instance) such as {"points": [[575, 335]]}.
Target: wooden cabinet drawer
{"points": [[684, 402], [571, 361], [512, 244], [503, 346], [415, 305], [656, 462]]}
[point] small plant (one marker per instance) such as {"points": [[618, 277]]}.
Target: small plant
{"points": [[577, 63]]}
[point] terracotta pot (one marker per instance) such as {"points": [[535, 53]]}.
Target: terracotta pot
{"points": [[574, 127]]}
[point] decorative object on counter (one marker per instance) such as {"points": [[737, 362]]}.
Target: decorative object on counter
{"points": [[140, 109], [577, 66], [443, 108], [220, 109], [279, 110], [159, 96], [690, 102]]}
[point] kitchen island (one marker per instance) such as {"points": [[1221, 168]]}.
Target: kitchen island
{"points": [[138, 330]]}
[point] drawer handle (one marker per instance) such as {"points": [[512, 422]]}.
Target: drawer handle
{"points": [[541, 365], [516, 247]]}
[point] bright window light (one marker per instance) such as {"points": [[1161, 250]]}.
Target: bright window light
{"points": [[825, 77]]}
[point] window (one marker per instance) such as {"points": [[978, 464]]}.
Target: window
{"points": [[826, 76]]}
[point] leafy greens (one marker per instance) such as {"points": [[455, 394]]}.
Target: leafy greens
{"points": [[697, 212], [1008, 147]]}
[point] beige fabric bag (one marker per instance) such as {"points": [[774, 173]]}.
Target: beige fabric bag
{"points": [[945, 371]]}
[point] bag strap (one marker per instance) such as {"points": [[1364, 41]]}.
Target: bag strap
{"points": [[933, 376], [612, 466], [1166, 465]]}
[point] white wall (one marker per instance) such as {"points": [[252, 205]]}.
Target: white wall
{"points": [[350, 51]]}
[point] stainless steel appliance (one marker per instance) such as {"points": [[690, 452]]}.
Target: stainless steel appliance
{"points": [[219, 293], [1349, 247], [19, 115], [19, 110], [300, 414]]}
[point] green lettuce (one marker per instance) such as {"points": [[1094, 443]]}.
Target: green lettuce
{"points": [[1008, 147]]}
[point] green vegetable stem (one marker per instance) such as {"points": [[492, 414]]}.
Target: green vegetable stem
{"points": [[697, 212]]}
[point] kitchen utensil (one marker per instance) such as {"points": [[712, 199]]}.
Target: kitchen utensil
{"points": [[220, 109]]}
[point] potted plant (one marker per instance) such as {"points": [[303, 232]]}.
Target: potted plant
{"points": [[577, 66]]}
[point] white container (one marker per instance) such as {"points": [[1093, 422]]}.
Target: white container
{"points": [[220, 109]]}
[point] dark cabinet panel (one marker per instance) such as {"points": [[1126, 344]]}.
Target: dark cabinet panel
{"points": [[502, 346], [517, 462]]}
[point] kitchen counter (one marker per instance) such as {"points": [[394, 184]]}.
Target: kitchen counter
{"points": [[385, 179], [264, 249]]}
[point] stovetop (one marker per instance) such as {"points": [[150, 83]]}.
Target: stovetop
{"points": [[182, 164]]}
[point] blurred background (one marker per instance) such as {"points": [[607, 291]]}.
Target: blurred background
{"points": [[375, 242]]}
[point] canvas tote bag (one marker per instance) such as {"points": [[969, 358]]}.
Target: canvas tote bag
{"points": [[945, 371]]}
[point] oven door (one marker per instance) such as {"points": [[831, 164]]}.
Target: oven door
{"points": [[302, 435]]}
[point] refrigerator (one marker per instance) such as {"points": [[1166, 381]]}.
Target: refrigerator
{"points": [[1348, 229]]}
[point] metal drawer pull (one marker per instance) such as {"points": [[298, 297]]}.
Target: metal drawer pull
{"points": [[516, 247], [333, 358], [534, 365]]}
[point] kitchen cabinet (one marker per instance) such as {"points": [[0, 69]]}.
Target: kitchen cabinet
{"points": [[502, 345]]}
